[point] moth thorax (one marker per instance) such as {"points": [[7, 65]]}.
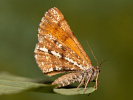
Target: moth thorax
{"points": [[95, 72]]}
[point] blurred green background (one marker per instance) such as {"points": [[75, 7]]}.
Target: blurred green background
{"points": [[106, 24]]}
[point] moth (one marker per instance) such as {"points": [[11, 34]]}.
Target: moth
{"points": [[59, 51]]}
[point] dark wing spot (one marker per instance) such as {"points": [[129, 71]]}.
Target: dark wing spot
{"points": [[63, 49], [62, 56], [55, 41], [49, 51]]}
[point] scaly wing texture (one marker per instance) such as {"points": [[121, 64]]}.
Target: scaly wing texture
{"points": [[58, 50], [55, 57]]}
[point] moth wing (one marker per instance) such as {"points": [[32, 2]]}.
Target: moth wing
{"points": [[54, 26]]}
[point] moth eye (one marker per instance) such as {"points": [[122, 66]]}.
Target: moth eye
{"points": [[99, 70]]}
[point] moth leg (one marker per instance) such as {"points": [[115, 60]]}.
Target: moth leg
{"points": [[81, 82], [87, 83], [96, 82]]}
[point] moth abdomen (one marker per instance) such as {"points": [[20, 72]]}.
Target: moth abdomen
{"points": [[68, 79]]}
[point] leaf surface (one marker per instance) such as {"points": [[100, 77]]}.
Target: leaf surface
{"points": [[11, 84]]}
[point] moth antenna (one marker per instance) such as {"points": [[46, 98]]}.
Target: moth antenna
{"points": [[103, 61], [92, 52]]}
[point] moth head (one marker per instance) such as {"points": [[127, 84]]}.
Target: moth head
{"points": [[98, 69]]}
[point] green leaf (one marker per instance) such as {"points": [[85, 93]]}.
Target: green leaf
{"points": [[74, 91], [10, 84]]}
